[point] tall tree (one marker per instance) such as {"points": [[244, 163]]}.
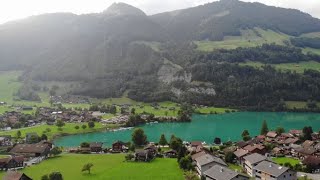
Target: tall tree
{"points": [[280, 130], [138, 137], [264, 128], [55, 176], [163, 141], [307, 133]]}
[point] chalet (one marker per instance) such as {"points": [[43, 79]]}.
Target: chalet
{"points": [[218, 172], [296, 133], [144, 155], [240, 153], [277, 151], [96, 147], [313, 162], [317, 146], [256, 148], [307, 144], [85, 150], [152, 148], [5, 141], [30, 150], [119, 146], [241, 144], [14, 175], [196, 146], [251, 161], [171, 154], [11, 162], [269, 170], [207, 161], [194, 156], [272, 134], [304, 152], [291, 141]]}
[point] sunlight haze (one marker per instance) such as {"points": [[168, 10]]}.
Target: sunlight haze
{"points": [[17, 9]]}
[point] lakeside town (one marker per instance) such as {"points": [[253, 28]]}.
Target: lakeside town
{"points": [[274, 154]]}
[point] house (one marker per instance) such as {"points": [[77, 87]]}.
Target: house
{"points": [[152, 148], [30, 150], [11, 162], [196, 146], [240, 153], [278, 151], [304, 152], [296, 133], [272, 134], [96, 147], [207, 161], [194, 156], [241, 144], [171, 153], [252, 160], [14, 175], [31, 137], [218, 172], [307, 144], [119, 146], [313, 162], [256, 148], [291, 141], [317, 146], [144, 155], [5, 141], [266, 170]]}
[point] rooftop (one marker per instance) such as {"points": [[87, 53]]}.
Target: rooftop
{"points": [[271, 168], [207, 158], [219, 172], [255, 158]]}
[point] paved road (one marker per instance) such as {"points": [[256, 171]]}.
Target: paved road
{"points": [[312, 176]]}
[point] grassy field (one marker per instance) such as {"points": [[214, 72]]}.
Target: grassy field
{"points": [[68, 128], [235, 167], [297, 67], [106, 167], [297, 104], [248, 38], [212, 110], [283, 160]]}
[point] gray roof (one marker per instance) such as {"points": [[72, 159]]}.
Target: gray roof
{"points": [[221, 173], [271, 168], [255, 158], [207, 158]]}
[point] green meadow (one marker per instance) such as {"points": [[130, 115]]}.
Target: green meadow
{"points": [[106, 167]]}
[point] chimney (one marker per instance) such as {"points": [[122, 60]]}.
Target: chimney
{"points": [[221, 169], [270, 165]]}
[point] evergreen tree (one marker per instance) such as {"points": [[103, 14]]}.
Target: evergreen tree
{"points": [[163, 141], [264, 128], [138, 137]]}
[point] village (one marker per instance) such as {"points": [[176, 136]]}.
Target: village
{"points": [[253, 157]]}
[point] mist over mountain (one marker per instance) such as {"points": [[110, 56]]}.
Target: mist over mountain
{"points": [[154, 58]]}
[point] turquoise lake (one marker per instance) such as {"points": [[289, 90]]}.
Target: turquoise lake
{"points": [[205, 128]]}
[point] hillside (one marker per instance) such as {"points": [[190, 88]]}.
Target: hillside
{"points": [[194, 55]]}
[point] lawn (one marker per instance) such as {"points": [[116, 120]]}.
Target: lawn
{"points": [[248, 38], [68, 128], [297, 104], [106, 167], [212, 110], [283, 160], [235, 167], [297, 67]]}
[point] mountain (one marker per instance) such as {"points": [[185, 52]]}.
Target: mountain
{"points": [[215, 20], [155, 58]]}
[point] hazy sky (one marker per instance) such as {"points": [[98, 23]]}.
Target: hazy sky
{"points": [[17, 9]]}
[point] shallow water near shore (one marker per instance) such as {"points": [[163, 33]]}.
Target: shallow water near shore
{"points": [[227, 126]]}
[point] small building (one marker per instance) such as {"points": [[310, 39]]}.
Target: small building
{"points": [[96, 147], [14, 175], [152, 148], [171, 154], [252, 160], [5, 141], [308, 144], [195, 156], [11, 162], [256, 148], [207, 161], [271, 171], [218, 172], [240, 153], [31, 150], [272, 134], [144, 155], [119, 146]]}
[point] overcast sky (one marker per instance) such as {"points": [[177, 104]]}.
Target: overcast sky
{"points": [[17, 9]]}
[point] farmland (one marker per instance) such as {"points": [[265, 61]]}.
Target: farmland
{"points": [[106, 167]]}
